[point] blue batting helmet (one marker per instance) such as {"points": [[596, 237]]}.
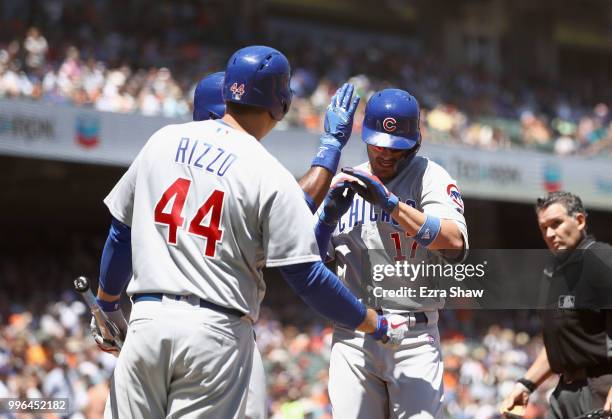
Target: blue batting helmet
{"points": [[392, 120], [259, 76], [208, 98]]}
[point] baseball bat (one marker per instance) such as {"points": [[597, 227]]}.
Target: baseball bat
{"points": [[108, 329]]}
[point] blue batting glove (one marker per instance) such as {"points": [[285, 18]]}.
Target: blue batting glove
{"points": [[338, 125], [374, 191], [339, 116], [337, 202]]}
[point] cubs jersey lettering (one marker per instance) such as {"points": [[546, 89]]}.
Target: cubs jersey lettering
{"points": [[209, 207], [366, 235]]}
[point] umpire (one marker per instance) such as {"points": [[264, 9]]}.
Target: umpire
{"points": [[577, 335]]}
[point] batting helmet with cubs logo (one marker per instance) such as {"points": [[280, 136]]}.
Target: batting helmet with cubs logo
{"points": [[392, 120], [259, 76], [208, 98]]}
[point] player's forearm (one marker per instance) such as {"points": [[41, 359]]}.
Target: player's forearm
{"points": [[540, 369], [411, 220], [105, 296], [324, 292], [116, 262], [369, 322], [316, 183]]}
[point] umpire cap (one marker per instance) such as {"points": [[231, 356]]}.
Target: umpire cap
{"points": [[208, 98], [392, 120], [259, 76]]}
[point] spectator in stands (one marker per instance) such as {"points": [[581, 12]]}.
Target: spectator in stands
{"points": [[119, 70], [36, 48]]}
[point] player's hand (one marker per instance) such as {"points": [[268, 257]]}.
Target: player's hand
{"points": [[337, 202], [608, 404], [117, 317], [338, 122], [516, 400], [338, 125], [372, 189], [391, 330], [109, 346]]}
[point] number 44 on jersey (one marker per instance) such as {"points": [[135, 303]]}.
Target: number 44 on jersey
{"points": [[177, 193]]}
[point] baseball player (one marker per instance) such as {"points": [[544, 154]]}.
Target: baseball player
{"points": [[203, 208], [411, 206], [209, 104]]}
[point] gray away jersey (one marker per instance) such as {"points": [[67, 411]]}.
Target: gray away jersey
{"points": [[209, 207], [367, 236]]}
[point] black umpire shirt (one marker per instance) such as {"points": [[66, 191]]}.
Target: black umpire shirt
{"points": [[577, 326]]}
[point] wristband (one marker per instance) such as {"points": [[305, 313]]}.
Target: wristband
{"points": [[529, 385], [108, 305], [428, 231], [328, 153], [327, 157]]}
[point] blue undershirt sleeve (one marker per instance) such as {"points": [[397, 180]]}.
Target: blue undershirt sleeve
{"points": [[310, 202], [323, 291], [116, 262], [323, 234]]}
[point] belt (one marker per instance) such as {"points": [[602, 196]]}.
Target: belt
{"points": [[419, 316], [154, 296], [584, 373]]}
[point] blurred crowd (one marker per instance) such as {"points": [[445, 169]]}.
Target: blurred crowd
{"points": [[47, 352], [50, 354], [46, 349], [102, 62]]}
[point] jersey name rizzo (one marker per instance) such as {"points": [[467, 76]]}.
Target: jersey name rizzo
{"points": [[362, 212], [204, 156]]}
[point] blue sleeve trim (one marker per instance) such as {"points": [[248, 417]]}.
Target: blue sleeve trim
{"points": [[323, 234], [310, 202], [324, 292], [116, 262], [428, 231]]}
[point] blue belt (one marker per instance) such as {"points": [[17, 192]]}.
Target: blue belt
{"points": [[154, 296]]}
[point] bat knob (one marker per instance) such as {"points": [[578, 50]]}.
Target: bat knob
{"points": [[81, 284]]}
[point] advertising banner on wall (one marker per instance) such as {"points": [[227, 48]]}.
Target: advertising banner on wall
{"points": [[33, 129], [38, 130]]}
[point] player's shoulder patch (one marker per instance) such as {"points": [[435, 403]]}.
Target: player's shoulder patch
{"points": [[455, 196], [440, 176]]}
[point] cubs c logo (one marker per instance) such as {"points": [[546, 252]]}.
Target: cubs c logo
{"points": [[389, 124], [455, 196], [237, 91]]}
